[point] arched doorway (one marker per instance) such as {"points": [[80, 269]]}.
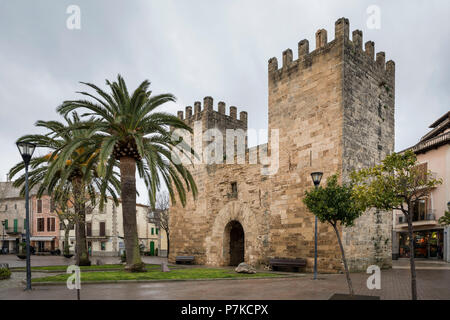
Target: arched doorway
{"points": [[234, 233]]}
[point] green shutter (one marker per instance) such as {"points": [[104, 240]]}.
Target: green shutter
{"points": [[15, 225], [157, 230], [152, 248], [153, 231], [6, 224]]}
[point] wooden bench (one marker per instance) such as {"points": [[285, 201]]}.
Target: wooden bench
{"points": [[184, 259], [287, 263]]}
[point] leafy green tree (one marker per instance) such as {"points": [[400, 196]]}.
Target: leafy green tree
{"points": [[131, 132], [396, 184], [445, 219], [76, 177], [336, 205]]}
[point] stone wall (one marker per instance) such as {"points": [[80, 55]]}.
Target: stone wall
{"points": [[325, 105], [368, 95]]}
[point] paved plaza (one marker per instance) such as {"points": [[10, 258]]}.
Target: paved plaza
{"points": [[433, 283]]}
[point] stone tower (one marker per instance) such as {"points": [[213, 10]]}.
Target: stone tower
{"points": [[334, 110]]}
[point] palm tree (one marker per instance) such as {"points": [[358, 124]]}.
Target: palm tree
{"points": [[131, 132], [74, 178]]}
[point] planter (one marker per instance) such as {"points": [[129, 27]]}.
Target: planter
{"points": [[343, 296], [22, 256]]}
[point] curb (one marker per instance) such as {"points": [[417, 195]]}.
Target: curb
{"points": [[62, 283]]}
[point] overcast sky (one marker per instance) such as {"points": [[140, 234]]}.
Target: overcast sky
{"points": [[197, 48]]}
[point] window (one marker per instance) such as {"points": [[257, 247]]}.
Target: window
{"points": [[419, 210], [15, 206], [102, 229], [6, 207], [39, 206], [50, 224], [234, 190], [157, 230], [103, 246], [16, 223], [40, 224], [89, 229], [153, 231], [6, 223], [234, 187]]}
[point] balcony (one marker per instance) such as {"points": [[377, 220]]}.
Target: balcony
{"points": [[98, 234], [15, 230], [419, 219]]}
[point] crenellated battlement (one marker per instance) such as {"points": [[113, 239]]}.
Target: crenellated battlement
{"points": [[208, 108], [306, 58]]}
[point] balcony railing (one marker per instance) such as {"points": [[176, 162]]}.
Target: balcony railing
{"points": [[430, 215], [98, 234], [15, 230]]}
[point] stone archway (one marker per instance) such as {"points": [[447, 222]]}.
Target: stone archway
{"points": [[234, 243], [217, 243]]}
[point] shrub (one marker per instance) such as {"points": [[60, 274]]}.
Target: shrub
{"points": [[5, 273]]}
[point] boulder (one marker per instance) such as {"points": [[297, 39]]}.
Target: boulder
{"points": [[245, 268]]}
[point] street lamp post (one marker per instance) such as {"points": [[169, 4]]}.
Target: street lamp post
{"points": [[316, 177], [3, 238], [26, 150]]}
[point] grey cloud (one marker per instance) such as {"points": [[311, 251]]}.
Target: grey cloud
{"points": [[198, 48]]}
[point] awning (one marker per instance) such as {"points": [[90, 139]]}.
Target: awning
{"points": [[41, 238]]}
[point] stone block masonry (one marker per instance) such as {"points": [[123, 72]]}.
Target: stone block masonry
{"points": [[334, 109]]}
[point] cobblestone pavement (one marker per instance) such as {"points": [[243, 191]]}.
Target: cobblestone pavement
{"points": [[395, 284]]}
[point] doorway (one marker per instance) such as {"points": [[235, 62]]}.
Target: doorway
{"points": [[236, 243]]}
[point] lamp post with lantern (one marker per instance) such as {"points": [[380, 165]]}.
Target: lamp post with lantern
{"points": [[316, 177]]}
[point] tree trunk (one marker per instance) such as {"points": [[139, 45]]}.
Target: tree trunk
{"points": [[347, 274], [128, 195], [82, 255], [168, 244], [411, 258], [66, 240]]}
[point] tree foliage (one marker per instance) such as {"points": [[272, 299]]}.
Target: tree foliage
{"points": [[445, 219], [396, 184], [334, 203]]}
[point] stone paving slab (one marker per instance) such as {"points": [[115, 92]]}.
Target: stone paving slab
{"points": [[395, 284]]}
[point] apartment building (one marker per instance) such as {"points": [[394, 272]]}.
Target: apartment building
{"points": [[431, 240], [104, 232], [12, 218], [45, 233]]}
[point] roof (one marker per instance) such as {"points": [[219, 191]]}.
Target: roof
{"points": [[7, 191], [438, 121], [438, 127]]}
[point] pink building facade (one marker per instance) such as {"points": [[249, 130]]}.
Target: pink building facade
{"points": [[45, 224], [431, 239]]}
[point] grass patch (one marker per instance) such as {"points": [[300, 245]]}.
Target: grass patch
{"points": [[174, 274], [63, 268]]}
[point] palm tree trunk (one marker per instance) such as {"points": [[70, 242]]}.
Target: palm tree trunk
{"points": [[347, 274], [411, 259], [66, 240], [82, 256], [128, 195]]}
